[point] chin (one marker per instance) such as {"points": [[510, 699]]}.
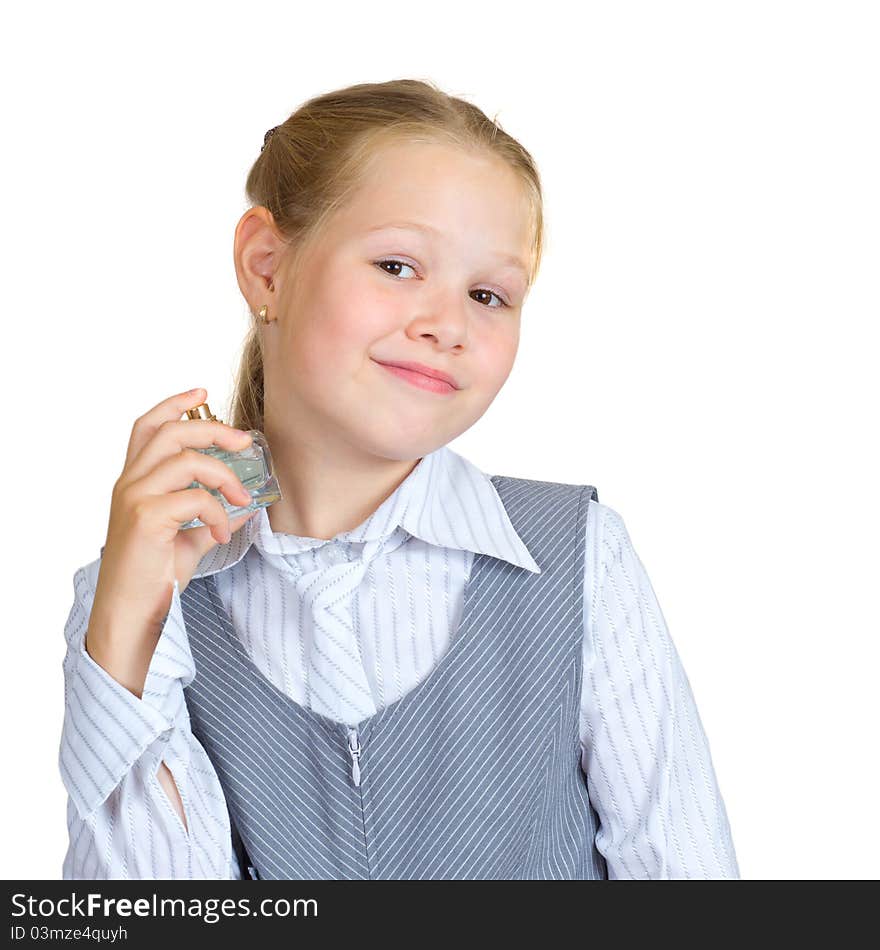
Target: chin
{"points": [[397, 449]]}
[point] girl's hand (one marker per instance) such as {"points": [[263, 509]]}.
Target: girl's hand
{"points": [[145, 549]]}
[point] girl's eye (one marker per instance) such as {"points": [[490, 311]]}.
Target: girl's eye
{"points": [[501, 303], [392, 261]]}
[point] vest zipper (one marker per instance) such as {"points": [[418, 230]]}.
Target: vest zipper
{"points": [[354, 750]]}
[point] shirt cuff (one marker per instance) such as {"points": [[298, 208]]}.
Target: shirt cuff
{"points": [[107, 728]]}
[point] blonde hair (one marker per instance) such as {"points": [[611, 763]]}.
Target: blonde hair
{"points": [[316, 158]]}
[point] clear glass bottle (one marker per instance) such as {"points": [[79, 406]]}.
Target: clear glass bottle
{"points": [[252, 465]]}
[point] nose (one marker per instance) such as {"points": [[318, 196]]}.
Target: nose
{"points": [[443, 319]]}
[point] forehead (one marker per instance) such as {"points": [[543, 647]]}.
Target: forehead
{"points": [[443, 194]]}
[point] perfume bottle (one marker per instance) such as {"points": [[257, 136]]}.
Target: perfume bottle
{"points": [[252, 465]]}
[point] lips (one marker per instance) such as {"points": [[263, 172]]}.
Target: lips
{"points": [[420, 368]]}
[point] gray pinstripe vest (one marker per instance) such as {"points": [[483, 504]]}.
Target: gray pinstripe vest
{"points": [[474, 773]]}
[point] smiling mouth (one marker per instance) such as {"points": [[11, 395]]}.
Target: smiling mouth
{"points": [[419, 380]]}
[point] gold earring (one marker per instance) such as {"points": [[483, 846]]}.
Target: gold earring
{"points": [[262, 312]]}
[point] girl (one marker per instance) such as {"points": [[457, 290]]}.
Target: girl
{"points": [[404, 668]]}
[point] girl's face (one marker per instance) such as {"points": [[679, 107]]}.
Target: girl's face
{"points": [[427, 264]]}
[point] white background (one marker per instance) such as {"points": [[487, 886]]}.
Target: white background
{"points": [[701, 343]]}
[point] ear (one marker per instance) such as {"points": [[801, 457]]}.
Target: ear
{"points": [[257, 252]]}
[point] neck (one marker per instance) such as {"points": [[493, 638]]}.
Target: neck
{"points": [[327, 491]]}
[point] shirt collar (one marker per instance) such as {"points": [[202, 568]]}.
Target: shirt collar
{"points": [[445, 500]]}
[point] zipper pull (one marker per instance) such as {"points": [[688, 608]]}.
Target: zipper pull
{"points": [[354, 751]]}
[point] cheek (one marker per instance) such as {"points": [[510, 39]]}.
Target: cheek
{"points": [[336, 342], [357, 315], [498, 352]]}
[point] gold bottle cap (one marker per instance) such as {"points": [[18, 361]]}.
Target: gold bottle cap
{"points": [[202, 412]]}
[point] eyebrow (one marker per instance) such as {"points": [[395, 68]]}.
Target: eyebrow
{"points": [[509, 259]]}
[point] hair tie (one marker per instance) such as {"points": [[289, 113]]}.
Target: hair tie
{"points": [[268, 135]]}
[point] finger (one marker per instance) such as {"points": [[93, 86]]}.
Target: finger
{"points": [[178, 472], [146, 426], [177, 508], [240, 520], [173, 437], [202, 539]]}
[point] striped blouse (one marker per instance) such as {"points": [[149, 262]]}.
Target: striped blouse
{"points": [[644, 752]]}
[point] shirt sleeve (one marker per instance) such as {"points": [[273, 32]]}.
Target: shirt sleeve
{"points": [[121, 823], [644, 752]]}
